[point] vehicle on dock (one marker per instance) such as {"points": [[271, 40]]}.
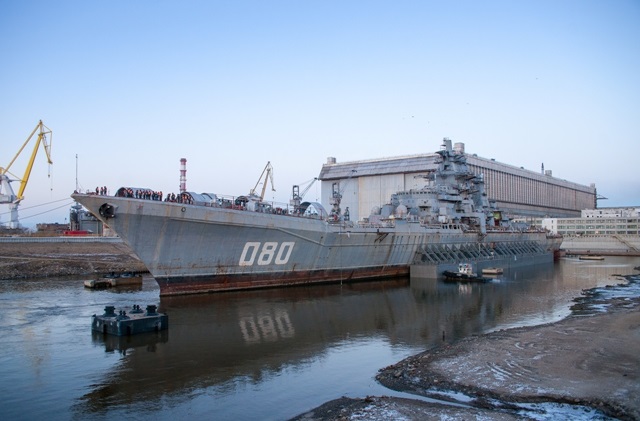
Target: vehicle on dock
{"points": [[196, 243]]}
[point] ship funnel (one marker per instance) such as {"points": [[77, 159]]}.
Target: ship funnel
{"points": [[458, 148]]}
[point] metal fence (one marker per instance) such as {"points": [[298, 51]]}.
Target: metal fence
{"points": [[60, 240]]}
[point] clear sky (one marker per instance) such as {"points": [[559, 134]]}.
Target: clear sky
{"points": [[130, 87]]}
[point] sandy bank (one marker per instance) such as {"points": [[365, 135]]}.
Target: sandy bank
{"points": [[582, 367]]}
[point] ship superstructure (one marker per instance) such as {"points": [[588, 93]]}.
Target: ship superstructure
{"points": [[452, 195]]}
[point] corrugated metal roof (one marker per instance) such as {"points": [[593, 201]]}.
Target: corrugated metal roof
{"points": [[426, 162], [203, 198], [394, 165]]}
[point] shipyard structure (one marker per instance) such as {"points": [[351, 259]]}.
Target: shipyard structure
{"points": [[515, 190]]}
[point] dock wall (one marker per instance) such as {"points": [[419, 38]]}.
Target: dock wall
{"points": [[434, 271], [611, 245]]}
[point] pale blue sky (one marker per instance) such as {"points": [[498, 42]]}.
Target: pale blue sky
{"points": [[133, 86]]}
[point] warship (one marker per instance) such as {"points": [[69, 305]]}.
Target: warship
{"points": [[198, 243]]}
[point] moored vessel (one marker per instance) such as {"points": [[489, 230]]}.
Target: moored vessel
{"points": [[492, 271], [205, 242], [114, 280], [464, 273]]}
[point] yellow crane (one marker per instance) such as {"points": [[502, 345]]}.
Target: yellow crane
{"points": [[267, 173], [7, 195]]}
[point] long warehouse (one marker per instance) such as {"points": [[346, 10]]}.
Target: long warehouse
{"points": [[520, 192]]}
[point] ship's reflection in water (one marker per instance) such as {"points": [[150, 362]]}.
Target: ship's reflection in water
{"points": [[266, 327], [272, 354]]}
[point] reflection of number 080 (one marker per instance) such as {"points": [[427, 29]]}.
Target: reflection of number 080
{"points": [[271, 251]]}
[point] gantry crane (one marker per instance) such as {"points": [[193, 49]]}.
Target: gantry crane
{"points": [[267, 173], [7, 195], [296, 196]]}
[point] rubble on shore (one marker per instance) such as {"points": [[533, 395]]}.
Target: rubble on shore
{"points": [[586, 366]]}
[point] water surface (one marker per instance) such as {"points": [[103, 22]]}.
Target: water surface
{"points": [[268, 354]]}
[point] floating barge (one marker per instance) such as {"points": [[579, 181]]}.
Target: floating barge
{"points": [[136, 321], [492, 271], [590, 257], [114, 280]]}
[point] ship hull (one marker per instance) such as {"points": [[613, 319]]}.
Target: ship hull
{"points": [[196, 249]]}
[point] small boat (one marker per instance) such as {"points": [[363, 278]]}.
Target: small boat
{"points": [[114, 280], [465, 273], [492, 271], [591, 258]]}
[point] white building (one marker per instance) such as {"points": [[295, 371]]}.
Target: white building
{"points": [[631, 212], [612, 221]]}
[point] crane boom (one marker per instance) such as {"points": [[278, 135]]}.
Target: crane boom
{"points": [[6, 169], [296, 196], [268, 170], [308, 187]]}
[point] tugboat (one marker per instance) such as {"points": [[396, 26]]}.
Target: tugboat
{"points": [[465, 273]]}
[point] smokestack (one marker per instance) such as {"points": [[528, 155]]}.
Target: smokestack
{"points": [[183, 175]]}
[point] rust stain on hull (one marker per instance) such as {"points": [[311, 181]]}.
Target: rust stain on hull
{"points": [[219, 283]]}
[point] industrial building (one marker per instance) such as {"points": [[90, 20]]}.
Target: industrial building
{"points": [[606, 221], [517, 191], [606, 231], [586, 226]]}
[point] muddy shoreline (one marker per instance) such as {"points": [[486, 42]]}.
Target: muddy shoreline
{"points": [[586, 366], [54, 259]]}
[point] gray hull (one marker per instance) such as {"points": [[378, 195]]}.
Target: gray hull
{"points": [[194, 249]]}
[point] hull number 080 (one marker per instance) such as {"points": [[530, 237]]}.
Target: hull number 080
{"points": [[266, 253]]}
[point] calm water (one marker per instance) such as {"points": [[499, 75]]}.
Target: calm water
{"points": [[268, 354]]}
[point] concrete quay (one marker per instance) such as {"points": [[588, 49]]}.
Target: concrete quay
{"points": [[605, 245]]}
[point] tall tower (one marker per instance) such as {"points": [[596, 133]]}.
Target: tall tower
{"points": [[183, 175]]}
